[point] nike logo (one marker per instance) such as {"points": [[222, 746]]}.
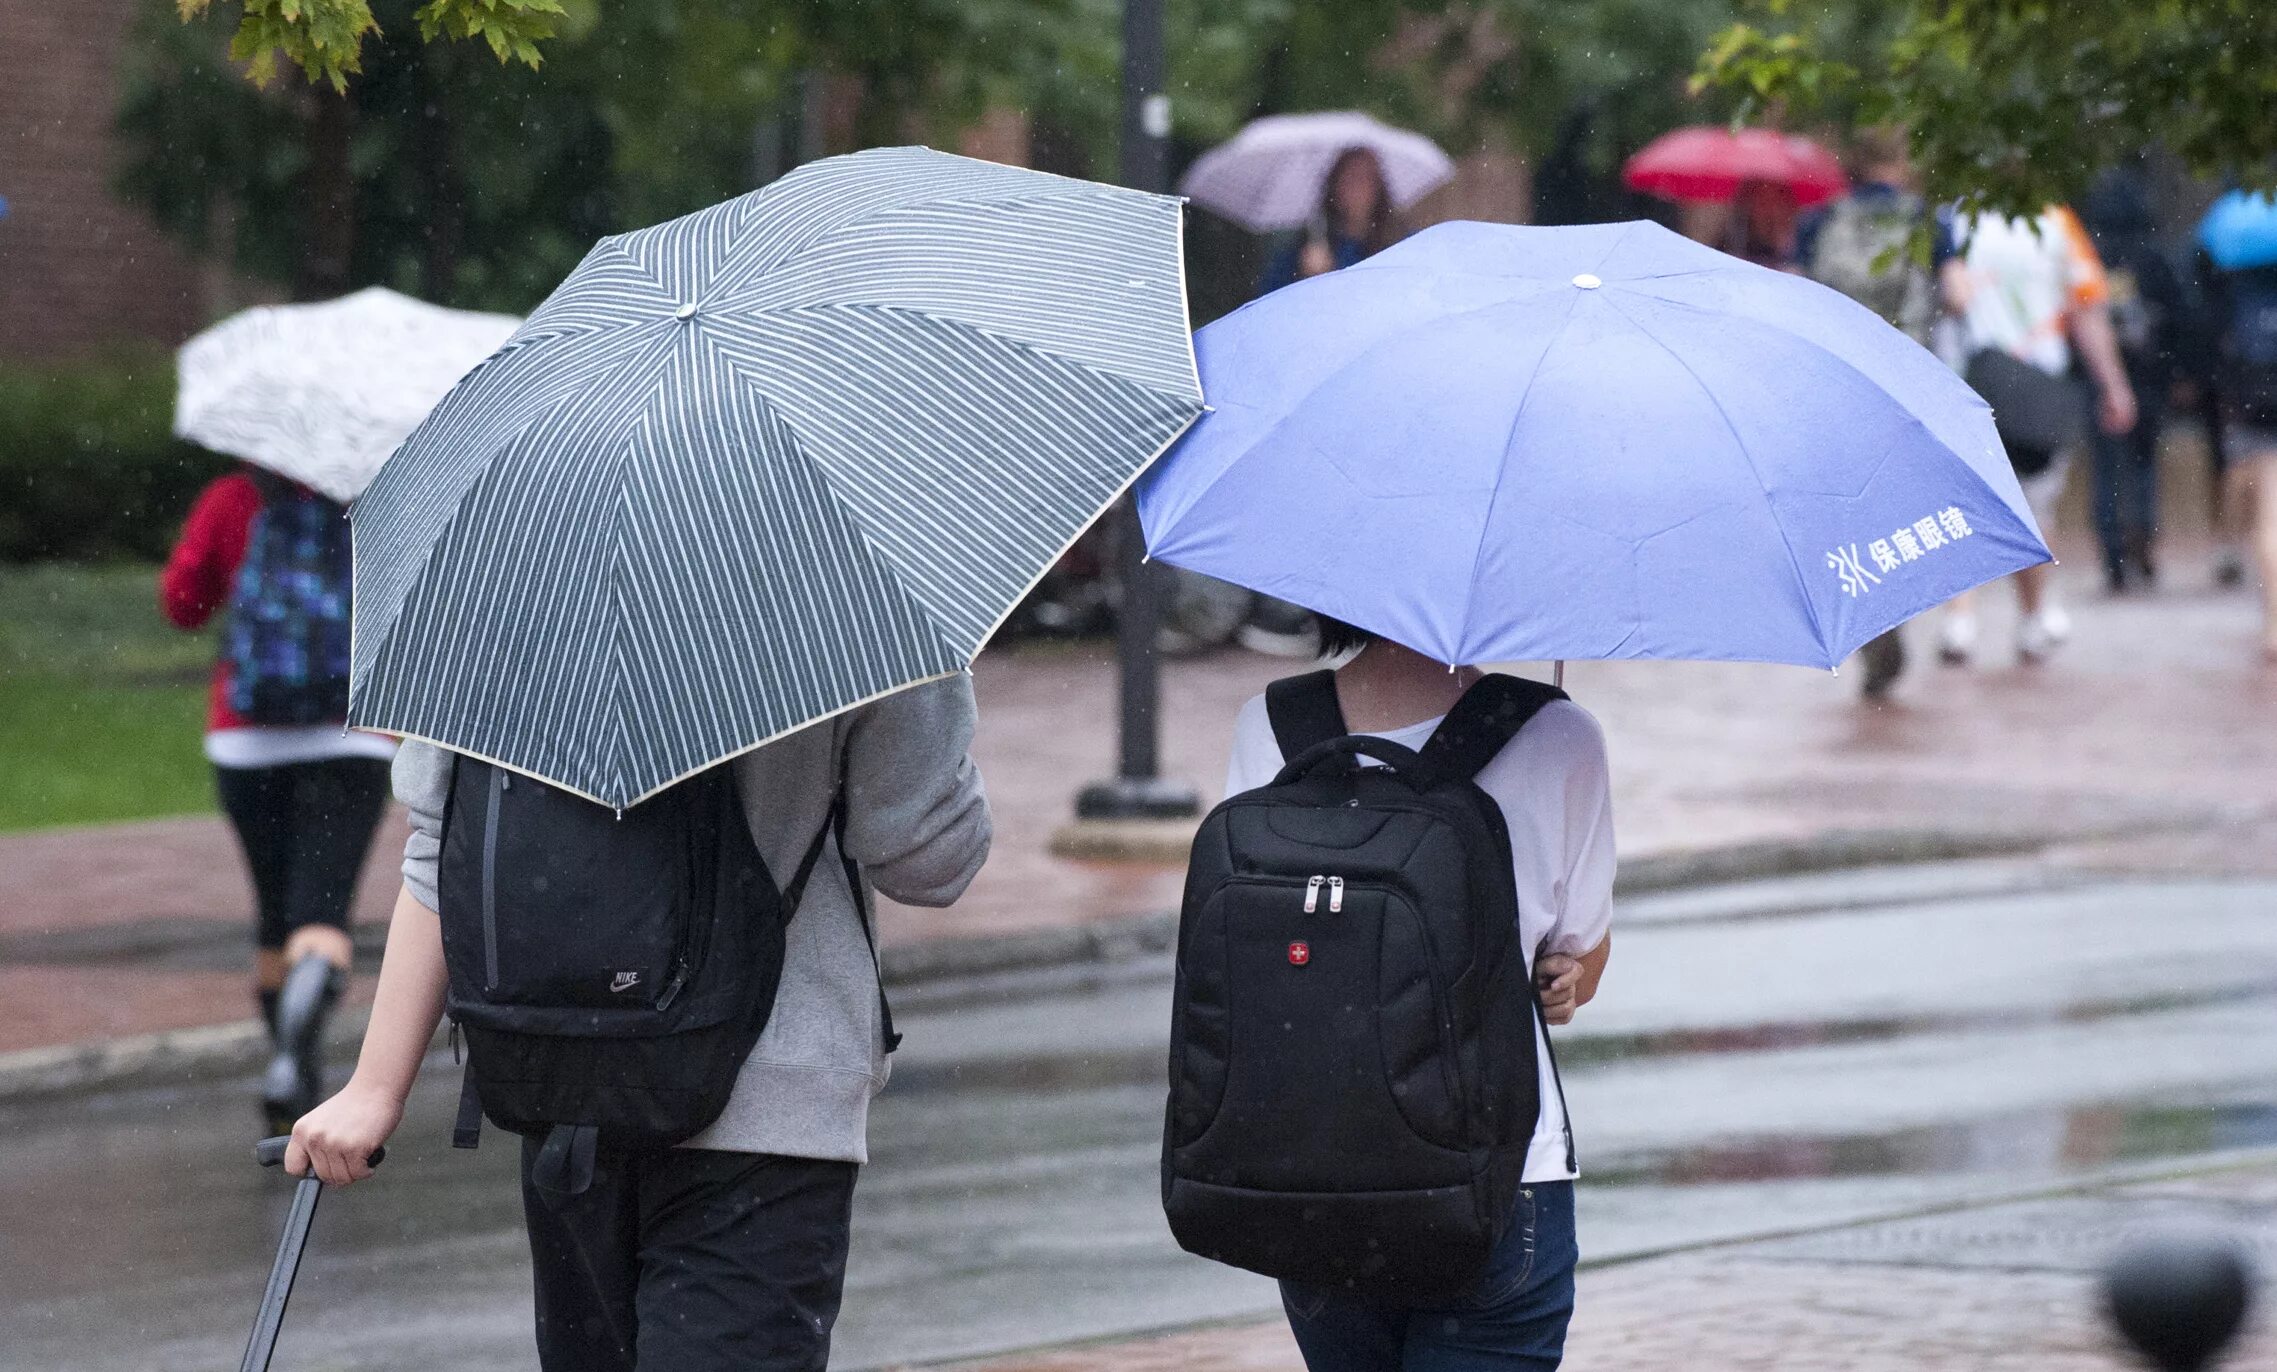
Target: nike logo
{"points": [[625, 981]]}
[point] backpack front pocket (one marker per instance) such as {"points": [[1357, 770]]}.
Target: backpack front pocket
{"points": [[1313, 1058], [576, 907]]}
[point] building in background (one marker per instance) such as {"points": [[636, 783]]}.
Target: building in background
{"points": [[80, 268]]}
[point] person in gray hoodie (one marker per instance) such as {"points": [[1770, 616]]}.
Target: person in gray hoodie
{"points": [[729, 1250]]}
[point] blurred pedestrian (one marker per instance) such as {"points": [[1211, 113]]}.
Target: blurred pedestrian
{"points": [[2245, 316], [2026, 293], [2147, 313], [1551, 783], [2198, 367], [1356, 220], [1863, 246], [1763, 224], [301, 791]]}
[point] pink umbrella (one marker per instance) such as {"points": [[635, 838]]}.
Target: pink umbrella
{"points": [[1710, 162]]}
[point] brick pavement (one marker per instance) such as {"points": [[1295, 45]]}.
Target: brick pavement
{"points": [[2158, 710], [2003, 1303]]}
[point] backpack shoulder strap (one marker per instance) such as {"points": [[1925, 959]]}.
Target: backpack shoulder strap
{"points": [[1304, 711], [1484, 721]]}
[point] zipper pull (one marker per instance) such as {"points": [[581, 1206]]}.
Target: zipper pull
{"points": [[455, 1059], [1312, 894], [1336, 895], [672, 988]]}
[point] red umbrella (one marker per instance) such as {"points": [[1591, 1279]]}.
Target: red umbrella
{"points": [[1710, 161]]}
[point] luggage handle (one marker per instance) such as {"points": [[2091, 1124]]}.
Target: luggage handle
{"points": [[262, 1344], [1403, 762], [271, 1152]]}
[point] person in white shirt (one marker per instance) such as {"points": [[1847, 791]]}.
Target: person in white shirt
{"points": [[1553, 786]]}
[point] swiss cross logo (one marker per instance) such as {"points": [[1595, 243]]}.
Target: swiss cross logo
{"points": [[1300, 953]]}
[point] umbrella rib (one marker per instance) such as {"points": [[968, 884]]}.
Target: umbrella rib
{"points": [[1517, 413], [1019, 345], [1802, 583], [1076, 190], [1294, 407], [1502, 470], [1853, 369]]}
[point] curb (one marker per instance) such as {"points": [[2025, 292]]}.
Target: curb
{"points": [[177, 1056], [168, 1057], [1832, 850]]}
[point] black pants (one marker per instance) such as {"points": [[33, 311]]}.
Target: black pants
{"points": [[686, 1260], [305, 828]]}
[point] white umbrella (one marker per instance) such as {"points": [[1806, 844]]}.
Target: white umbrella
{"points": [[1269, 176], [322, 393]]}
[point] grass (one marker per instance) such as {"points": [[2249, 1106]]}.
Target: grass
{"points": [[102, 702]]}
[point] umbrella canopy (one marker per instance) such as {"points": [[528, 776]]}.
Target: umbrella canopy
{"points": [[2240, 231], [1711, 162], [1498, 444], [322, 393], [1269, 176], [761, 464]]}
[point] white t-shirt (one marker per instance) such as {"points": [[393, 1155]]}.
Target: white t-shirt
{"points": [[2026, 278], [1556, 796], [283, 745]]}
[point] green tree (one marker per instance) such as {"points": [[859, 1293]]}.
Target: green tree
{"points": [[2017, 104], [442, 172], [325, 38]]}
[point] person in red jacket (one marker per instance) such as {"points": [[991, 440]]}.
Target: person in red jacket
{"points": [[303, 792]]}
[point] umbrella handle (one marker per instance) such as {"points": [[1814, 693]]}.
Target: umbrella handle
{"points": [[270, 1152]]}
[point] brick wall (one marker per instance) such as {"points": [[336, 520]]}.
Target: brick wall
{"points": [[77, 267]]}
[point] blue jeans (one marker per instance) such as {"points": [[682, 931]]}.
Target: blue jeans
{"points": [[1513, 1322], [2126, 485]]}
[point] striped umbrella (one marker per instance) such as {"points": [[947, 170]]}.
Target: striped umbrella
{"points": [[767, 462], [322, 393]]}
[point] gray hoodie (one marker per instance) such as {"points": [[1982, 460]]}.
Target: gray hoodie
{"points": [[917, 824]]}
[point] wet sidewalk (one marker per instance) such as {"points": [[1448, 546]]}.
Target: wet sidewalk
{"points": [[1997, 1287], [2150, 743]]}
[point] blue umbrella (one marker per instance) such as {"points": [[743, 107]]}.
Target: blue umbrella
{"points": [[1500, 444], [2240, 231]]}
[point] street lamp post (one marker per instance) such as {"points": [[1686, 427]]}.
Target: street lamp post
{"points": [[1138, 790]]}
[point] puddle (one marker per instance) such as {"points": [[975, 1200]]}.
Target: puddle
{"points": [[2069, 1140], [1582, 1050]]}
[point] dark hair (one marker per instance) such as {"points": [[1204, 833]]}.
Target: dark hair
{"points": [[1338, 638], [1380, 226]]}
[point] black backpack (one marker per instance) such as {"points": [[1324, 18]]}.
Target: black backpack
{"points": [[611, 970], [2248, 375], [1353, 1083]]}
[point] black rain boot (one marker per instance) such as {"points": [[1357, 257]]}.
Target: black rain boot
{"points": [[295, 1079], [267, 1000]]}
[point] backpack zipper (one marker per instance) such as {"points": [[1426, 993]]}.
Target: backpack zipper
{"points": [[1312, 894], [498, 785], [1336, 895]]}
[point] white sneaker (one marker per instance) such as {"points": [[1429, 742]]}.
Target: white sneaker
{"points": [[2038, 636], [1956, 639]]}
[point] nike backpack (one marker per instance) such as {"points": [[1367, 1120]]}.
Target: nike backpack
{"points": [[287, 637], [610, 970], [1353, 1083]]}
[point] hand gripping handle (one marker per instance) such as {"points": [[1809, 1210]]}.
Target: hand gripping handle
{"points": [[271, 1152]]}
